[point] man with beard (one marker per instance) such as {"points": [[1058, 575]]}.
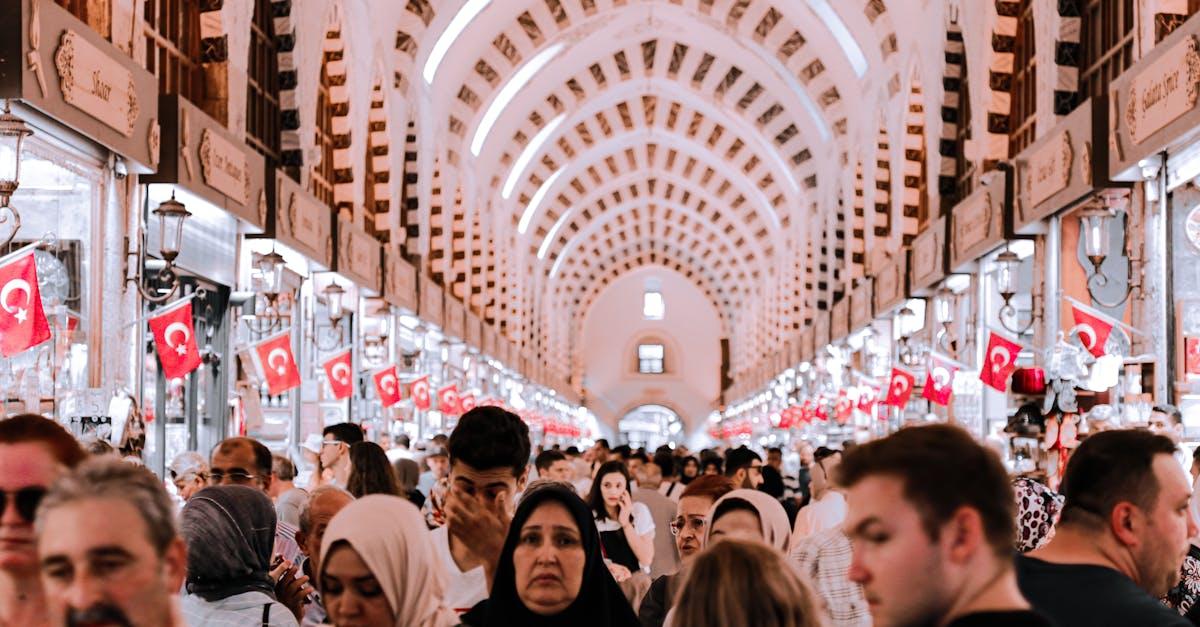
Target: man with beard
{"points": [[126, 571], [744, 468], [930, 514], [1121, 538]]}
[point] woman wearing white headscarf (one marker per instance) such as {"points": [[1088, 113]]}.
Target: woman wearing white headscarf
{"points": [[749, 514], [378, 567]]}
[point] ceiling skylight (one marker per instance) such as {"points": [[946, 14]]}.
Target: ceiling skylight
{"points": [[536, 201], [458, 24], [550, 236], [527, 155], [510, 91], [839, 31]]}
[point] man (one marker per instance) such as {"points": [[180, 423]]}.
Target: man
{"points": [[438, 461], [553, 465], [189, 473], [400, 448], [320, 508], [335, 450], [288, 498], [803, 492], [246, 461], [931, 516], [34, 453], [126, 571], [1121, 538], [828, 506], [489, 457], [744, 468], [1166, 420], [635, 462], [662, 510]]}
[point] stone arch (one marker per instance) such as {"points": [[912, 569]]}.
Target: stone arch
{"points": [[999, 86], [377, 179], [955, 115], [335, 66], [414, 20], [915, 202], [291, 153]]}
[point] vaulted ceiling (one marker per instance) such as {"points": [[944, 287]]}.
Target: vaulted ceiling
{"points": [[581, 139]]}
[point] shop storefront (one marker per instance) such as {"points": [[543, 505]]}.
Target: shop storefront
{"points": [[220, 182], [93, 113], [1155, 145], [890, 294], [358, 273]]}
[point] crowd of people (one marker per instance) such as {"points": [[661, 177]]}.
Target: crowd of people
{"points": [[478, 528]]}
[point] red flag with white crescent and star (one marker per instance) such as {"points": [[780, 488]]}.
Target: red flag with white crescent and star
{"points": [[23, 324], [843, 407], [466, 402], [448, 400], [900, 386], [175, 340], [387, 385], [339, 371], [276, 363], [939, 381], [419, 391], [1093, 330], [867, 397], [999, 362]]}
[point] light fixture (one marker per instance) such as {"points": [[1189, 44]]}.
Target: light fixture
{"points": [[13, 132], [1095, 228], [527, 155], [332, 295], [508, 91], [837, 28], [1008, 266], [446, 41], [944, 303], [171, 217], [270, 268]]}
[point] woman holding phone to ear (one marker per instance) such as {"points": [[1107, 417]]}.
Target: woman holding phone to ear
{"points": [[626, 528]]}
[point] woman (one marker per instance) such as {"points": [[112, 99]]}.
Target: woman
{"points": [[744, 583], [689, 469], [378, 567], [370, 471], [688, 527], [749, 514], [551, 570], [230, 534], [626, 528], [407, 475]]}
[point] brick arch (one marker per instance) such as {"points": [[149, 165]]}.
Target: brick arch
{"points": [[415, 19], [377, 182], [954, 77], [998, 94], [915, 200], [291, 155], [333, 47]]}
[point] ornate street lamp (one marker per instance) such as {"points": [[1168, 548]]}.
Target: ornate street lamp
{"points": [[1095, 228], [13, 132], [171, 217], [1008, 268]]}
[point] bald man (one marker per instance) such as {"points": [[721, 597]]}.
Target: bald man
{"points": [[320, 508]]}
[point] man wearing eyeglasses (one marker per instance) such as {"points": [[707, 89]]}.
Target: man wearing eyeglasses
{"points": [[335, 450], [688, 529], [247, 462], [34, 453]]}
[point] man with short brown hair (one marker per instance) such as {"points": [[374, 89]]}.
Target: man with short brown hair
{"points": [[1121, 538], [931, 513]]}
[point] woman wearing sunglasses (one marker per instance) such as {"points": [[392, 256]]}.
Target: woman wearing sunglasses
{"points": [[690, 531], [34, 453]]}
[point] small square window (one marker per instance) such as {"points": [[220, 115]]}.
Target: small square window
{"points": [[651, 358]]}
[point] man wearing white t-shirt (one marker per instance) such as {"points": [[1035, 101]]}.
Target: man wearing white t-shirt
{"points": [[828, 507], [489, 455]]}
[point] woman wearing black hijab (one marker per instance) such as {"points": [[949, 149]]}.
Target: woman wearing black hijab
{"points": [[551, 571], [230, 535]]}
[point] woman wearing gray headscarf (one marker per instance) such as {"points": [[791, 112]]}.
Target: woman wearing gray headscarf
{"points": [[230, 535]]}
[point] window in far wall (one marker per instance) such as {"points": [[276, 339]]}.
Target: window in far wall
{"points": [[651, 358], [653, 305]]}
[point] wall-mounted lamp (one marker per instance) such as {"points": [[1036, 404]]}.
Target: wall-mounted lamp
{"points": [[945, 301], [1095, 227], [910, 351], [270, 268], [171, 217], [333, 295], [13, 132], [1008, 268]]}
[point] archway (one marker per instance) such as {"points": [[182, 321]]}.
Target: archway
{"points": [[650, 426]]}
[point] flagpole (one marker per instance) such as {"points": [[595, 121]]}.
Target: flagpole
{"points": [[45, 240], [199, 293], [1004, 335]]}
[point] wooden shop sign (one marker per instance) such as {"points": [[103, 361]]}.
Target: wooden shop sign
{"points": [[303, 222], [929, 258], [400, 281], [977, 223], [456, 318], [862, 302], [359, 256], [431, 300], [891, 284]]}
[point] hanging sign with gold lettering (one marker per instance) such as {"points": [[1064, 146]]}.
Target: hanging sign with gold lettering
{"points": [[1163, 91]]}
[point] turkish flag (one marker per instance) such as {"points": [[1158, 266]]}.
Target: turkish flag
{"points": [[939, 382], [900, 387], [23, 324], [387, 385], [1192, 355], [822, 411], [448, 400], [277, 364], [339, 371], [1093, 330], [999, 362], [844, 406], [807, 411], [175, 339], [867, 397], [419, 391], [466, 403]]}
